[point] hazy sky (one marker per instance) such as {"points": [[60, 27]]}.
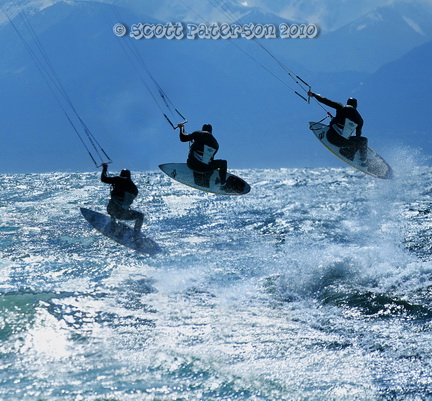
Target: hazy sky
{"points": [[329, 14]]}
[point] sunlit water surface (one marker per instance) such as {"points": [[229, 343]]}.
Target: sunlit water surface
{"points": [[316, 285]]}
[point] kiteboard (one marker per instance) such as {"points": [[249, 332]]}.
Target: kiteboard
{"points": [[375, 165], [208, 181], [120, 232]]}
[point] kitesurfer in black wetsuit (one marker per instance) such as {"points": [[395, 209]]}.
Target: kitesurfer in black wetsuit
{"points": [[202, 151], [123, 193], [348, 146]]}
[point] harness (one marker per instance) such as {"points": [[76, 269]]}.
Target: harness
{"points": [[205, 156], [345, 130], [124, 201]]}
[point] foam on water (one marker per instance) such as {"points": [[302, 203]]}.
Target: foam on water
{"points": [[315, 285]]}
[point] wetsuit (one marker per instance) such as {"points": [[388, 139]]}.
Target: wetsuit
{"points": [[202, 151], [123, 192], [348, 146]]}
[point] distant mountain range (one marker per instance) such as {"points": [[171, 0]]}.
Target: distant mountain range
{"points": [[379, 37], [383, 58]]}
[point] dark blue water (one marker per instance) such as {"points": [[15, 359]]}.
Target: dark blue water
{"points": [[316, 285]]}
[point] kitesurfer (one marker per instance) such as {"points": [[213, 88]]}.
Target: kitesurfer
{"points": [[202, 151], [348, 146], [123, 193]]}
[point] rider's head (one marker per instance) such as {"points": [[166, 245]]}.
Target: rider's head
{"points": [[207, 127], [125, 173], [352, 102]]}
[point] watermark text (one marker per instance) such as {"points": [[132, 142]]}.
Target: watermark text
{"points": [[216, 30]]}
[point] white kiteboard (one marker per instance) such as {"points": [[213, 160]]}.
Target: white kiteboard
{"points": [[208, 181], [120, 232], [375, 165]]}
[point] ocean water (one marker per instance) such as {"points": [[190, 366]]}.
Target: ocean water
{"points": [[315, 286]]}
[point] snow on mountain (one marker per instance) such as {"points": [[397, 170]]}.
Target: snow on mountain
{"points": [[372, 40]]}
